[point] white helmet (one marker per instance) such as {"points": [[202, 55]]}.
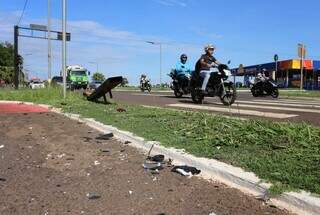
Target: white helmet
{"points": [[259, 75], [209, 46]]}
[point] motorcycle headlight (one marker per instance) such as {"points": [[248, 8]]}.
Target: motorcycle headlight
{"points": [[227, 72]]}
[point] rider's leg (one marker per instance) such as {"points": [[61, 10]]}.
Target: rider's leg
{"points": [[206, 76]]}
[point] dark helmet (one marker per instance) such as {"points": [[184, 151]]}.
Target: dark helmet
{"points": [[183, 57]]}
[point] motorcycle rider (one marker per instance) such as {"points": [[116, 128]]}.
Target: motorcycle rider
{"points": [[183, 70], [204, 64], [143, 80]]}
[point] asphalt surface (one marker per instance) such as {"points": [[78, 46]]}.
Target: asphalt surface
{"points": [[246, 106], [50, 164]]}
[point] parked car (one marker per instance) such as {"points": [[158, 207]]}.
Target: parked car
{"points": [[57, 80], [95, 84], [36, 84]]}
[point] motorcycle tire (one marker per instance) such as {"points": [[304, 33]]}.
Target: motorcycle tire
{"points": [[149, 89], [178, 94], [142, 89], [231, 95], [275, 93], [197, 97]]}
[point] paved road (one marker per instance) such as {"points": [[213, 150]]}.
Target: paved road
{"points": [[282, 109], [49, 163]]}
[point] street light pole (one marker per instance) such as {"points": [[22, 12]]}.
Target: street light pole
{"points": [[64, 23], [49, 41], [160, 45]]}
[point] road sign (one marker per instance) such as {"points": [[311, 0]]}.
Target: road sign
{"points": [[276, 57], [38, 27], [59, 36], [301, 50]]}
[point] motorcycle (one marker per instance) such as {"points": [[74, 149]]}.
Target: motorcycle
{"points": [[218, 85], [264, 88], [145, 85], [180, 86]]}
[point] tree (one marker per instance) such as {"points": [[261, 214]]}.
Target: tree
{"points": [[6, 62], [124, 82], [98, 76]]}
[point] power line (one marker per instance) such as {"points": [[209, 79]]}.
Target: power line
{"points": [[24, 8]]}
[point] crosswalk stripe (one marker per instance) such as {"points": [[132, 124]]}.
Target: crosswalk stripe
{"points": [[235, 111], [275, 108], [278, 104], [289, 101]]}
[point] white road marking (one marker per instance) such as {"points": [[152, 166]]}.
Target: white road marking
{"points": [[306, 102], [278, 104], [155, 95], [274, 108], [235, 111]]}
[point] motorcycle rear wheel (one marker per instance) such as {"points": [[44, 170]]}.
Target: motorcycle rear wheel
{"points": [[197, 97], [178, 94]]}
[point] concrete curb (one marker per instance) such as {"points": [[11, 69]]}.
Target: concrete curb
{"points": [[247, 182]]}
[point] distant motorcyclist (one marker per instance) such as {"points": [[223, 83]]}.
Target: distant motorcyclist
{"points": [[145, 83], [183, 69], [204, 64]]}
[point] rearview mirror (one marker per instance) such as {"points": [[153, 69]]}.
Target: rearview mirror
{"points": [[229, 61]]}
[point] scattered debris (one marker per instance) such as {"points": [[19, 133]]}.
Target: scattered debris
{"points": [[93, 196], [186, 170], [157, 158], [3, 179], [127, 142], [105, 150], [107, 136], [2, 146], [61, 156], [96, 163], [121, 110], [122, 150], [130, 192], [152, 165], [212, 213], [63, 103]]}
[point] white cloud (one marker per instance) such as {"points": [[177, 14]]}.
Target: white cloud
{"points": [[180, 3]]}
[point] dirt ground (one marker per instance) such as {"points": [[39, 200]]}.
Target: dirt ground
{"points": [[48, 165]]}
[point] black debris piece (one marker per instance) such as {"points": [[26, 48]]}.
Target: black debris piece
{"points": [[107, 136], [186, 170], [157, 158]]}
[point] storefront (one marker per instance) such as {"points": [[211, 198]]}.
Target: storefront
{"points": [[288, 73]]}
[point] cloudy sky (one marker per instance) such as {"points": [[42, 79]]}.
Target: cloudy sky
{"points": [[114, 32]]}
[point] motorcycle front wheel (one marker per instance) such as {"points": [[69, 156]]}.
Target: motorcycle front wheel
{"points": [[275, 93], [230, 96]]}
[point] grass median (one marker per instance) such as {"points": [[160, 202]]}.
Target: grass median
{"points": [[286, 154], [295, 93]]}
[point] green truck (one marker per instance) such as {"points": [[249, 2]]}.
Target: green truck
{"points": [[77, 77]]}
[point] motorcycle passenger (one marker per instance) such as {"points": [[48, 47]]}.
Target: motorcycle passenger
{"points": [[204, 64], [183, 70]]}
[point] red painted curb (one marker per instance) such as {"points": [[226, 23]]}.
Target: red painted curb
{"points": [[21, 108]]}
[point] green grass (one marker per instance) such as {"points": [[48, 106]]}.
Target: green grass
{"points": [[286, 154], [308, 94]]}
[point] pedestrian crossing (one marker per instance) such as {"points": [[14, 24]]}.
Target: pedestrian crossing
{"points": [[278, 109]]}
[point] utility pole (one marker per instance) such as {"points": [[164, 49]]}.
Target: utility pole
{"points": [[49, 41], [302, 55], [16, 66], [160, 64], [160, 45], [64, 53]]}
